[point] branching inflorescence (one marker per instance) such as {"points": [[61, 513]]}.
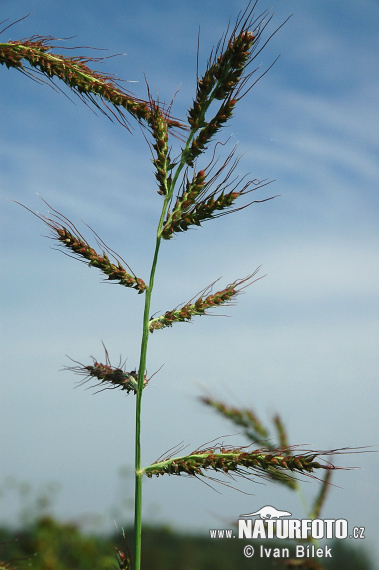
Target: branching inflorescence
{"points": [[191, 195]]}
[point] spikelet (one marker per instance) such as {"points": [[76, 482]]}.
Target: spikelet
{"points": [[69, 237], [239, 461], [199, 200], [225, 79], [76, 74], [122, 560], [123, 557], [109, 377], [160, 132], [202, 304]]}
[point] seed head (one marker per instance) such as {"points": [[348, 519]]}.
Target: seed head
{"points": [[200, 306], [70, 238], [239, 461], [83, 81], [109, 377]]}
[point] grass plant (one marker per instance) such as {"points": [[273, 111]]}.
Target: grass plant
{"points": [[191, 195]]}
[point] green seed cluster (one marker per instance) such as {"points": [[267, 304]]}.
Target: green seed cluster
{"points": [[162, 162], [194, 213], [199, 307], [221, 81], [221, 76], [233, 460], [283, 440], [82, 250], [199, 144], [175, 221]]}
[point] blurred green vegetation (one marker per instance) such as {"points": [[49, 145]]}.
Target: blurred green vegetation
{"points": [[51, 545], [41, 542]]}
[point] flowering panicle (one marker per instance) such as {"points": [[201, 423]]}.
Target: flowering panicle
{"points": [[224, 80], [238, 461], [109, 376], [70, 238], [201, 305], [76, 74], [198, 202]]}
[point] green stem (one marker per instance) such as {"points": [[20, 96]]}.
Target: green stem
{"points": [[142, 363], [141, 374]]}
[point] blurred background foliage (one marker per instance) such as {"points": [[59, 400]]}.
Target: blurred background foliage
{"points": [[41, 542]]}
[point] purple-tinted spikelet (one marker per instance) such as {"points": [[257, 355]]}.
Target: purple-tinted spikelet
{"points": [[240, 462], [110, 377]]}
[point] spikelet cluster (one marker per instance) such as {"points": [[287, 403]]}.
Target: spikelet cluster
{"points": [[201, 305], [68, 236], [219, 82], [200, 199], [76, 74], [238, 461], [162, 162], [82, 250], [224, 80], [109, 377]]}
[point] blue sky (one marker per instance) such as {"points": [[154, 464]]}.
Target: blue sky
{"points": [[303, 341]]}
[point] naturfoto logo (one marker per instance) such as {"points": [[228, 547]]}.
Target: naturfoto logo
{"points": [[272, 525]]}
